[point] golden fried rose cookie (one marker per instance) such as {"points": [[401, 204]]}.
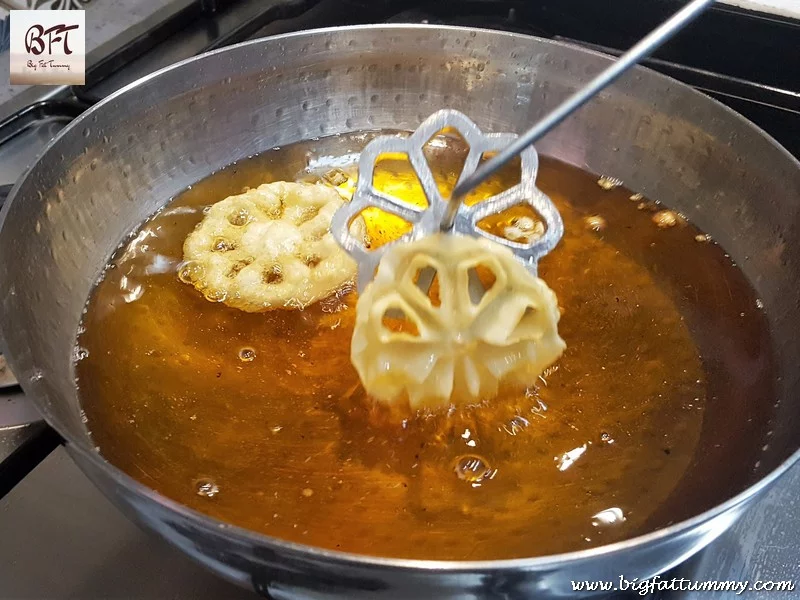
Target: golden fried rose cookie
{"points": [[458, 341], [268, 248]]}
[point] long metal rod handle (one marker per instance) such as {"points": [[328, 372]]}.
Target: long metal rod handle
{"points": [[641, 50]]}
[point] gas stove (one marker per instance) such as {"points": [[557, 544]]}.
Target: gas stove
{"points": [[70, 542]]}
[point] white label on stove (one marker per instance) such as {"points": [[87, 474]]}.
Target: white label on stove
{"points": [[787, 8], [48, 47]]}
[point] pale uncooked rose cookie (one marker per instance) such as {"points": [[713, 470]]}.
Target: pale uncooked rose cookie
{"points": [[453, 346], [267, 248]]}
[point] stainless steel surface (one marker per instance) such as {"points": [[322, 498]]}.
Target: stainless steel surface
{"points": [[92, 186], [762, 546], [644, 48], [15, 411], [22, 447], [20, 152], [11, 435], [427, 221], [71, 542]]}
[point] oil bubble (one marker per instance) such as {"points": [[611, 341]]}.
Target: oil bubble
{"points": [[648, 205], [609, 183], [665, 219], [247, 354], [190, 272], [566, 460], [524, 230], [609, 516], [206, 487], [239, 218], [215, 295], [516, 425], [595, 223], [473, 469], [223, 245]]}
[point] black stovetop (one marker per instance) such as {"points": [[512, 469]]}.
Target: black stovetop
{"points": [[755, 78]]}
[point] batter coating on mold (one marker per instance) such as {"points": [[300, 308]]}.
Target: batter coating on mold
{"points": [[456, 343]]}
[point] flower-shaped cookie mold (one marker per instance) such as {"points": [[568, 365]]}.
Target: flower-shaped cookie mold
{"points": [[452, 344], [425, 221], [268, 248]]}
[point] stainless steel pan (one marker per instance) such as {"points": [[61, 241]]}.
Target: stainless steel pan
{"points": [[119, 162]]}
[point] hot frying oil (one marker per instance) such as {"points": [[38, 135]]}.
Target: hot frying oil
{"points": [[260, 420]]}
